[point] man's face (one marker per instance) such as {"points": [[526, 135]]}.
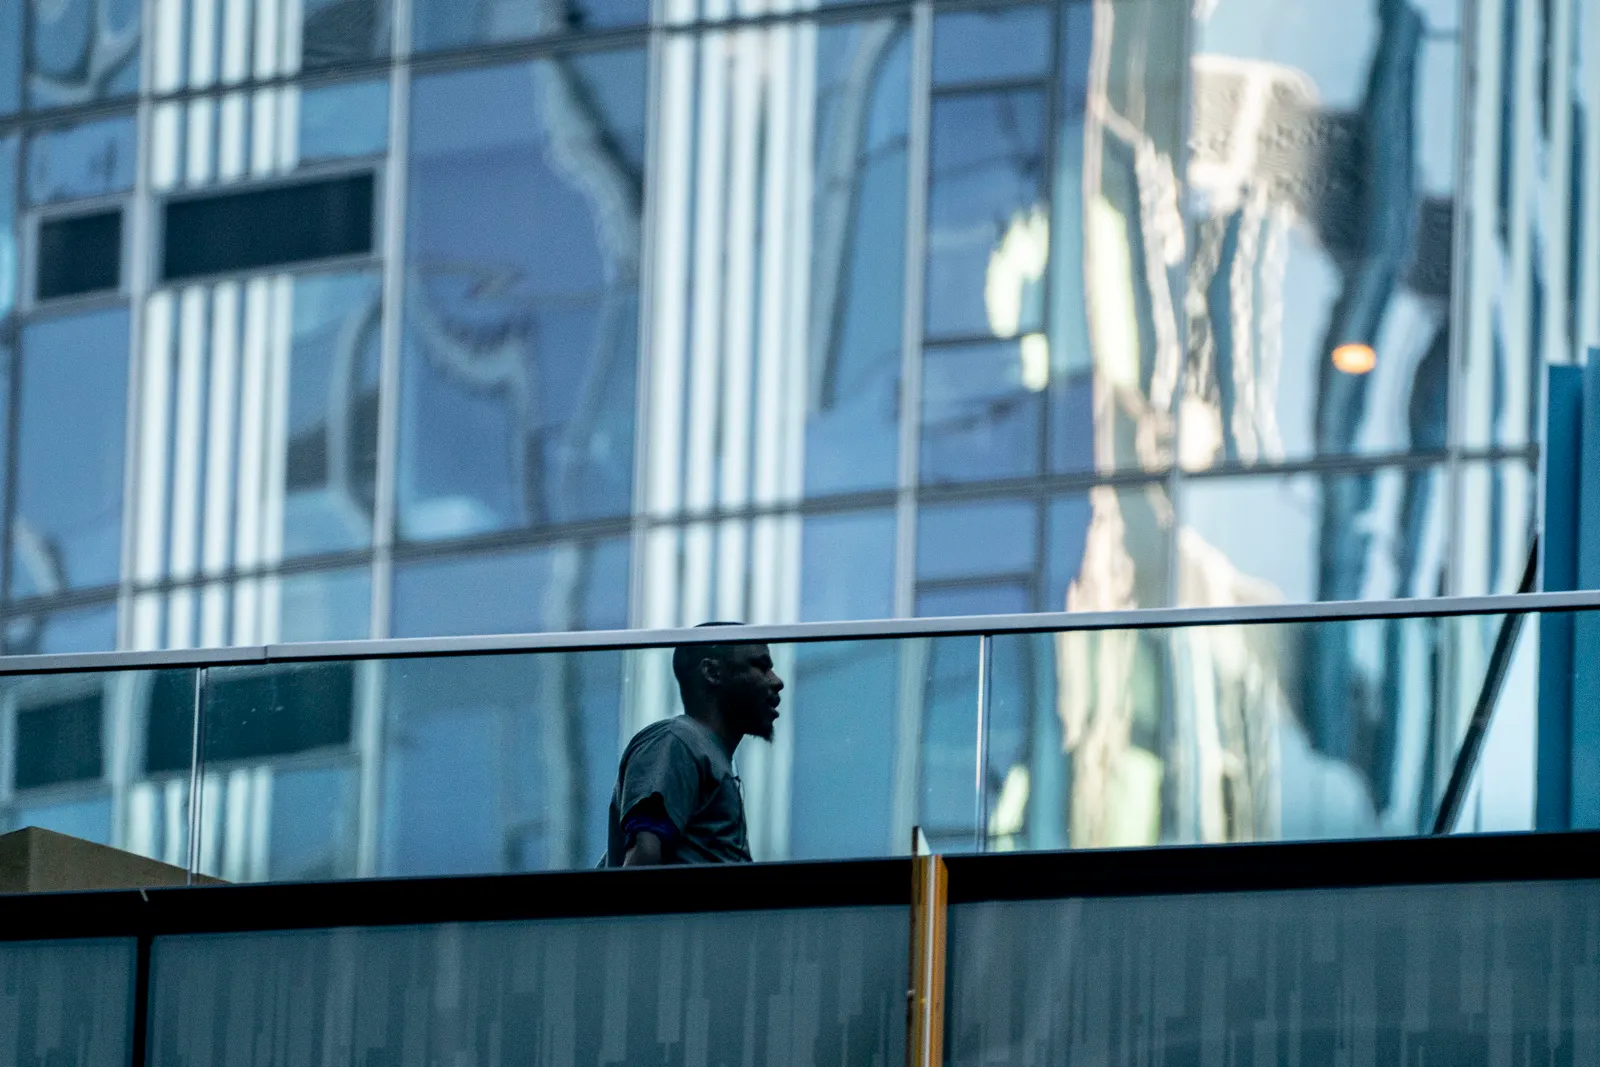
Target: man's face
{"points": [[748, 689]]}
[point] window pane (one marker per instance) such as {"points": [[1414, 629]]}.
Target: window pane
{"points": [[858, 256], [327, 606], [975, 46], [331, 452], [522, 302], [578, 586], [344, 121], [337, 32], [82, 51], [67, 532], [590, 991], [91, 629], [1307, 974], [1321, 272], [10, 57], [86, 160], [847, 566], [440, 24], [74, 739], [80, 255], [1295, 538], [268, 227], [988, 234], [71, 1001], [983, 411]]}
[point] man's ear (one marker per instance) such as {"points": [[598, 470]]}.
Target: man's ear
{"points": [[711, 671]]}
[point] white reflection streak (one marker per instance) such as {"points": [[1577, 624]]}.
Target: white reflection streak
{"points": [[154, 392], [252, 422], [219, 459], [275, 449], [186, 459]]}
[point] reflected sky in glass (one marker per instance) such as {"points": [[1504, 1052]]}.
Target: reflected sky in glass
{"points": [[443, 24], [982, 413], [344, 121], [82, 51], [67, 532], [977, 46], [87, 160], [522, 308]]}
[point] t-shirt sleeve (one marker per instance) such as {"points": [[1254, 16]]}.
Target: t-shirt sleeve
{"points": [[664, 767]]}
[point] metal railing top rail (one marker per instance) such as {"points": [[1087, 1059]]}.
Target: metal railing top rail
{"points": [[882, 629]]}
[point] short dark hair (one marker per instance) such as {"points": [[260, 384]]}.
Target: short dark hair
{"points": [[685, 658]]}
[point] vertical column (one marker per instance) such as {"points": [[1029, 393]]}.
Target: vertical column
{"points": [[930, 893]]}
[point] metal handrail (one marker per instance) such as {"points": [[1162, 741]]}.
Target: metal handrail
{"points": [[880, 629]]}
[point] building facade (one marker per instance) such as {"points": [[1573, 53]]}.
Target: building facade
{"points": [[332, 319]]}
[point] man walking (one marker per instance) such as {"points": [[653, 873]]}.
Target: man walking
{"points": [[677, 799]]}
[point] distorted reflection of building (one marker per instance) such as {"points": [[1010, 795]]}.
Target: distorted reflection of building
{"points": [[454, 318]]}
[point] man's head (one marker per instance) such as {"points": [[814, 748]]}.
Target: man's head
{"points": [[732, 681]]}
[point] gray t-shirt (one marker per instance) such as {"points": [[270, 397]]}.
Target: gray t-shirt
{"points": [[682, 762]]}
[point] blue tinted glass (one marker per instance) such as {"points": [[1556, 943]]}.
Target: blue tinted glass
{"points": [[972, 46], [847, 566], [579, 586], [982, 412], [457, 804], [333, 413], [1068, 538], [337, 32], [988, 236], [10, 57], [304, 844], [966, 540], [10, 151], [67, 1001], [75, 162], [439, 24], [517, 398], [88, 818], [344, 121], [858, 257], [92, 629], [326, 606], [82, 51], [67, 531]]}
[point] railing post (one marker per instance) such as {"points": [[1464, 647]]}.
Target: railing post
{"points": [[925, 999]]}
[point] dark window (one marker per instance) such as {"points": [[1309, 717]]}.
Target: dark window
{"points": [[252, 712], [268, 227], [80, 255], [169, 726], [59, 742]]}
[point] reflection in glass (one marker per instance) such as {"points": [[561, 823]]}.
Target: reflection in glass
{"points": [[1307, 537], [847, 566], [10, 57], [82, 51], [103, 757], [992, 45], [603, 990], [78, 255], [1495, 517], [1296, 976], [10, 153], [344, 121], [67, 529], [522, 311], [1240, 733], [983, 411], [442, 24], [86, 160], [988, 229], [858, 260], [67, 1002], [580, 585], [337, 32], [327, 605], [1322, 186], [90, 629]]}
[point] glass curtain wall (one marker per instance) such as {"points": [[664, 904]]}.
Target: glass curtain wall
{"points": [[405, 317]]}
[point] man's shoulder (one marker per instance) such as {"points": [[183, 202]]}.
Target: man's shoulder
{"points": [[678, 730]]}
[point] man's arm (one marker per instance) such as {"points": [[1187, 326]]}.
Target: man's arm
{"points": [[646, 851]]}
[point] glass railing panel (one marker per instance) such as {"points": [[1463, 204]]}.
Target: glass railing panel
{"points": [[67, 1002], [103, 756], [499, 763], [822, 985], [1264, 731], [1427, 974]]}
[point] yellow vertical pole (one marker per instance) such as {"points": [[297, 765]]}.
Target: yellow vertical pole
{"points": [[925, 999]]}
